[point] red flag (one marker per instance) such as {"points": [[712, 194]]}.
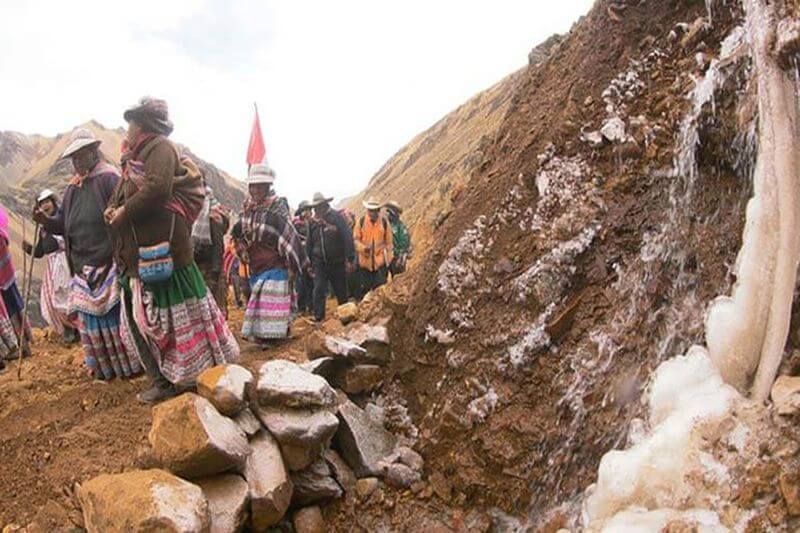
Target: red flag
{"points": [[256, 151]]}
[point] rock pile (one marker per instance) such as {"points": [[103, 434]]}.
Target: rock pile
{"points": [[245, 451]]}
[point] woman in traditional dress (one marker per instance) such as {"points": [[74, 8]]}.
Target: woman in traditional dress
{"points": [[93, 292], [272, 247], [9, 343], [174, 325], [54, 294]]}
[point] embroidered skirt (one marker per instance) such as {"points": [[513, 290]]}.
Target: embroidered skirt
{"points": [[94, 296], [54, 296], [8, 336], [181, 324], [269, 309]]}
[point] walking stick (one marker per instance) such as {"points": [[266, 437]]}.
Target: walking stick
{"points": [[24, 341]]}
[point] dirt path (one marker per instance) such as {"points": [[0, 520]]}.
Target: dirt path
{"points": [[57, 427]]}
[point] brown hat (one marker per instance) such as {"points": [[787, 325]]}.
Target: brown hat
{"points": [[152, 114]]}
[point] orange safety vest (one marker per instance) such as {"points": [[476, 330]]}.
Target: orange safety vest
{"points": [[373, 242]]}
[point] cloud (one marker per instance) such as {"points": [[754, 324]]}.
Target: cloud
{"points": [[340, 85]]}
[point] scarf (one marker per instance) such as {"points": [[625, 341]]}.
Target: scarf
{"points": [[201, 231], [267, 223]]}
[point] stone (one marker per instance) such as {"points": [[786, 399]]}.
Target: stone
{"points": [[366, 486], [790, 489], [614, 130], [309, 520], [190, 438], [341, 472], [269, 485], [299, 427], [298, 457], [410, 458], [347, 313], [330, 368], [786, 395], [314, 484], [372, 338], [441, 486], [362, 378], [361, 442], [142, 500], [247, 422], [227, 497], [284, 383], [401, 476], [316, 347], [225, 386]]}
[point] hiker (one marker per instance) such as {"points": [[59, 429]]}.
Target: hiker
{"points": [[373, 241], [400, 238], [54, 293], [168, 316], [305, 283], [208, 237], [9, 343], [272, 247], [330, 247], [93, 290]]}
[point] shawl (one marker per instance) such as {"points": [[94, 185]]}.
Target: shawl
{"points": [[268, 223], [6, 266]]}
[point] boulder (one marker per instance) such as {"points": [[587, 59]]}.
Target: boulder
{"points": [[225, 386], [299, 456], [374, 339], [341, 472], [270, 488], [299, 427], [284, 383], [319, 345], [366, 486], [190, 438], [410, 458], [309, 520], [227, 497], [362, 443], [786, 395], [248, 422], [314, 484], [362, 378], [347, 313], [330, 368], [316, 346], [142, 500]]}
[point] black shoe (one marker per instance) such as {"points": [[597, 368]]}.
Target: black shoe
{"points": [[2, 366], [157, 394]]}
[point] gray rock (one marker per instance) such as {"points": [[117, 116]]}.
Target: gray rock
{"points": [[400, 476], [314, 484], [410, 458], [227, 497], [330, 368], [247, 422], [361, 442], [362, 378], [225, 386], [190, 438], [309, 520], [374, 340], [284, 383], [269, 485], [341, 472], [298, 457], [299, 427]]}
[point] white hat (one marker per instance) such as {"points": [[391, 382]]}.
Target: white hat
{"points": [[44, 195], [260, 173], [81, 138], [371, 204]]}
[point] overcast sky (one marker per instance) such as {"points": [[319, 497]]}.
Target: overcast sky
{"points": [[340, 85]]}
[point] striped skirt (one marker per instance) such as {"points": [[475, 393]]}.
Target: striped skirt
{"points": [[181, 324], [94, 296], [269, 309], [8, 336], [54, 295]]}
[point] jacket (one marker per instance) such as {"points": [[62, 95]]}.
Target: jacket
{"points": [[329, 239], [373, 242], [146, 212]]}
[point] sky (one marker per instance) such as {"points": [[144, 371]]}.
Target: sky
{"points": [[340, 85]]}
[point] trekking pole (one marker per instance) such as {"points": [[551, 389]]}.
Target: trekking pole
{"points": [[24, 341]]}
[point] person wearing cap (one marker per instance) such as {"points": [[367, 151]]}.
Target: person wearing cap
{"points": [[373, 241], [94, 292], [400, 238], [330, 247], [173, 324], [54, 293], [273, 248], [305, 283]]}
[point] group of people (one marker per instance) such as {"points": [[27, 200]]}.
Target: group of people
{"points": [[140, 255]]}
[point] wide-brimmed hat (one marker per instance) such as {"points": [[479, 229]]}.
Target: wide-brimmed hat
{"points": [[81, 138], [394, 206], [260, 173], [46, 195], [371, 204], [319, 199], [152, 114]]}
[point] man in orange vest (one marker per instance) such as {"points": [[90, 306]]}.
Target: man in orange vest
{"points": [[372, 236]]}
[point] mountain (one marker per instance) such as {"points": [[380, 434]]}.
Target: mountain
{"points": [[30, 163]]}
